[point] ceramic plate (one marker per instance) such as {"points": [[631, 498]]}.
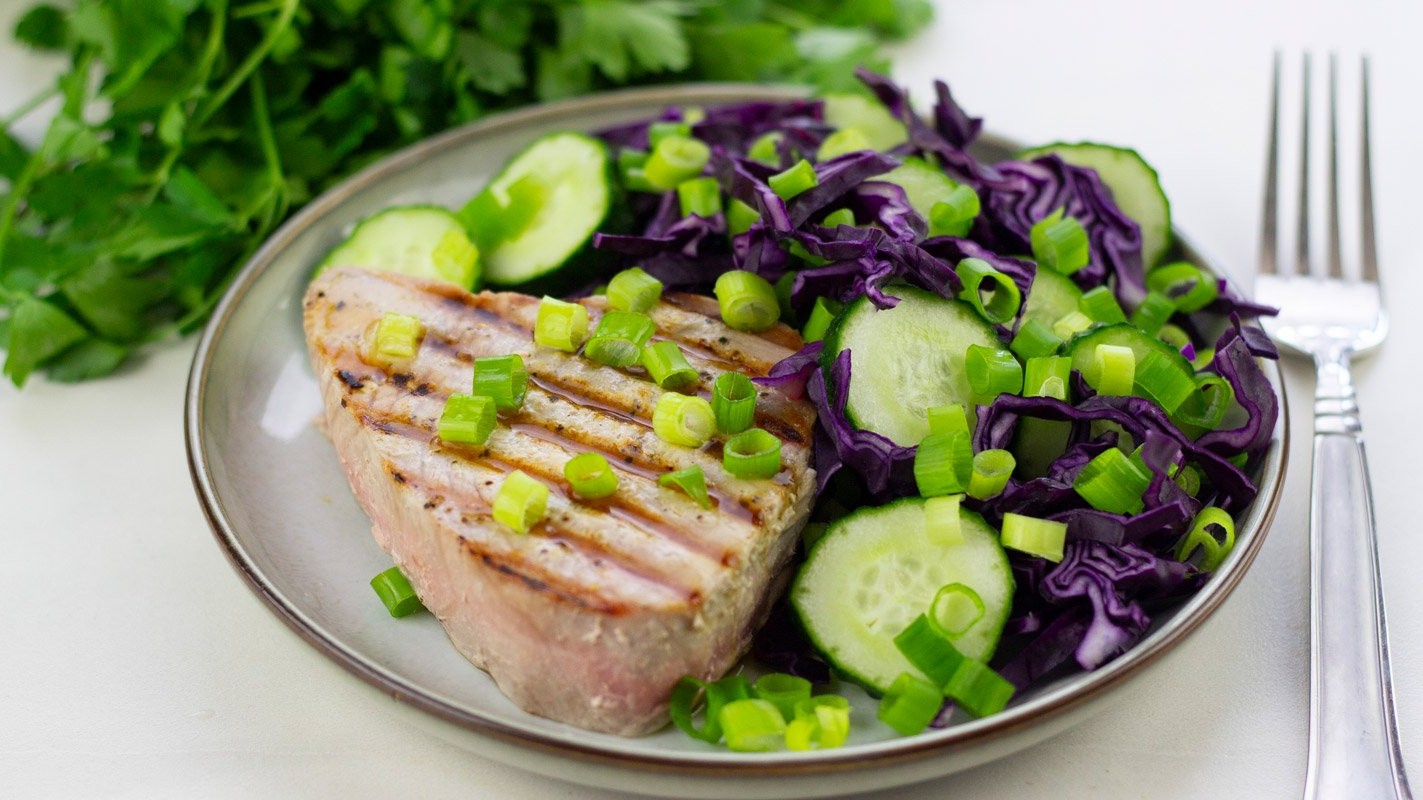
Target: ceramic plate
{"points": [[283, 513]]}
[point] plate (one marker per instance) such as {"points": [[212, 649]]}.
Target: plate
{"points": [[284, 515]]}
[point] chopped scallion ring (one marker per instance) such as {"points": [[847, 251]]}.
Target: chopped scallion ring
{"points": [[561, 325], [942, 523], [1158, 378], [928, 648], [1039, 537], [799, 178], [691, 481], [667, 366], [633, 290], [752, 725], [467, 419], [839, 217], [718, 694], [943, 464], [991, 471], [1047, 376], [1155, 309], [502, 378], [992, 294], [395, 591], [951, 418], [1175, 336], [747, 300], [1111, 482], [591, 476], [683, 420], [397, 338], [740, 217], [751, 454], [1071, 324], [699, 196], [841, 142], [955, 609], [619, 337], [675, 159], [954, 215], [1101, 306], [820, 723], [1188, 286], [1213, 548], [1060, 243], [783, 691], [766, 148], [521, 502], [1033, 339], [992, 371], [1114, 369], [733, 402], [910, 704], [662, 129], [821, 315], [977, 689]]}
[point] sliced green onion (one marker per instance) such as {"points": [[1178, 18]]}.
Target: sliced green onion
{"points": [[1060, 243], [1213, 548], [1101, 305], [561, 325], [675, 159], [835, 219], [635, 180], [782, 691], [951, 418], [502, 378], [956, 608], [845, 140], [1206, 407], [718, 694], [628, 158], [1114, 369], [1111, 482], [619, 337], [740, 217], [992, 294], [1188, 286], [747, 301], [733, 402], [395, 591], [590, 475], [751, 454], [521, 502], [1174, 336], [467, 419], [1047, 376], [1039, 537], [1160, 378], [991, 471], [633, 290], [783, 286], [691, 481], [1189, 479], [683, 420], [992, 371], [977, 689], [766, 148], [954, 215], [910, 704], [667, 366], [821, 315], [928, 648], [821, 722], [1155, 309], [1203, 358], [397, 337], [1071, 324], [752, 725], [1034, 339], [942, 523], [943, 464], [699, 196], [662, 129], [793, 181]]}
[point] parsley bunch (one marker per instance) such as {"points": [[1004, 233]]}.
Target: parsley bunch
{"points": [[189, 129]]}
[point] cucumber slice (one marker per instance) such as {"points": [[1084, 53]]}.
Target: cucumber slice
{"points": [[906, 359], [1135, 186], [875, 570], [865, 115], [536, 216], [425, 241], [1053, 297], [923, 183], [1081, 348]]}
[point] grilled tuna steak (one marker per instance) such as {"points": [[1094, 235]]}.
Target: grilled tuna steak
{"points": [[593, 616]]}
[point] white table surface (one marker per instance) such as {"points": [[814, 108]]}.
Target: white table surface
{"points": [[134, 662]]}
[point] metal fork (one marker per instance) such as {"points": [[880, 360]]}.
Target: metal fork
{"points": [[1330, 318]]}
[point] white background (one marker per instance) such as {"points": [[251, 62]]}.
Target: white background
{"points": [[134, 662]]}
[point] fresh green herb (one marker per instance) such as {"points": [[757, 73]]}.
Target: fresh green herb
{"points": [[188, 131]]}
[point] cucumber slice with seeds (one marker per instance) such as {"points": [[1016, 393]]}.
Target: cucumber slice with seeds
{"points": [[1135, 186], [906, 359], [875, 570]]}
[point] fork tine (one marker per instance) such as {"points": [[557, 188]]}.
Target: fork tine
{"points": [[1302, 226], [1370, 266], [1269, 229], [1335, 260]]}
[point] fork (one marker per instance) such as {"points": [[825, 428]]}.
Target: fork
{"points": [[1330, 318]]}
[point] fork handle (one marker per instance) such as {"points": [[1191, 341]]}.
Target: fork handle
{"points": [[1353, 739]]}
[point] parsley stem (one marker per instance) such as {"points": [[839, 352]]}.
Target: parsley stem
{"points": [[263, 119], [28, 106], [248, 65]]}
